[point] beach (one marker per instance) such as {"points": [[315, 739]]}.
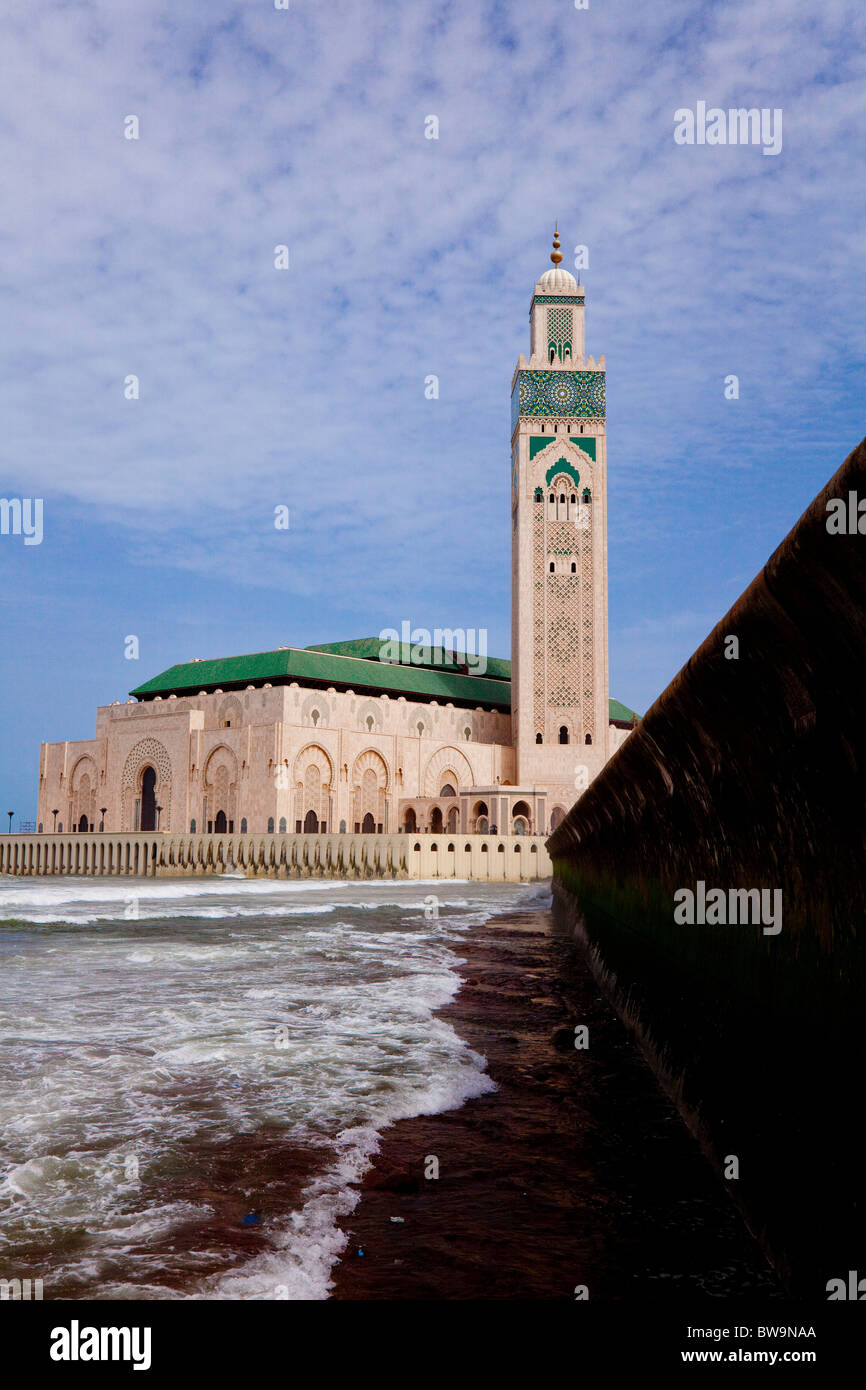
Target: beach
{"points": [[575, 1178], [225, 1089]]}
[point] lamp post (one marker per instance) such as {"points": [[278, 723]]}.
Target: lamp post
{"points": [[10, 814], [102, 811], [55, 814]]}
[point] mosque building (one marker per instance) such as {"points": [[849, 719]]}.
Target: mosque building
{"points": [[342, 738]]}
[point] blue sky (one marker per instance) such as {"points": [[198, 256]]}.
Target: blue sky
{"points": [[305, 387]]}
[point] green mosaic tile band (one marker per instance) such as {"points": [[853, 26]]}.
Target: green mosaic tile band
{"points": [[557, 393], [558, 299]]}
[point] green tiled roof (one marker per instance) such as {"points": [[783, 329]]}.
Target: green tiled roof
{"points": [[324, 669], [617, 710], [345, 665], [369, 648]]}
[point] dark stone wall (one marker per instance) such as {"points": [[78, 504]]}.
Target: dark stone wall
{"points": [[749, 773]]}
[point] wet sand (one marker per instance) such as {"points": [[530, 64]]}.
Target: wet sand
{"points": [[577, 1171]]}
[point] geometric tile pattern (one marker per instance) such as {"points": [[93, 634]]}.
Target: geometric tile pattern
{"points": [[557, 393], [558, 299]]}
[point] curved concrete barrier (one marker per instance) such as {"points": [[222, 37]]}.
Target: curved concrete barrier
{"points": [[745, 781]]}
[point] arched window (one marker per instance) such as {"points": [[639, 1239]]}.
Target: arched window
{"points": [[573, 567], [588, 738], [448, 790], [573, 498], [467, 733], [552, 497], [538, 738], [410, 824], [192, 826], [587, 495], [552, 567], [562, 497], [243, 825], [539, 495], [563, 734], [370, 722], [315, 716], [270, 825], [420, 727], [282, 825]]}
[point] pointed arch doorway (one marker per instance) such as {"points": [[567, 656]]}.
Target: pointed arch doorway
{"points": [[148, 799]]}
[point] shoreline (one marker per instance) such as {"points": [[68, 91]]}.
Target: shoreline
{"points": [[577, 1172]]}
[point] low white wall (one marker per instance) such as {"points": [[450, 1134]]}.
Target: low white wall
{"points": [[509, 858]]}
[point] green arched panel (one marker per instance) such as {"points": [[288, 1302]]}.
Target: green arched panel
{"points": [[561, 466]]}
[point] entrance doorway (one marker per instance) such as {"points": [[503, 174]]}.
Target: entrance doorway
{"points": [[221, 824], [311, 823], [148, 799]]}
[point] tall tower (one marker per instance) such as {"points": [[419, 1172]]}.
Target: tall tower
{"points": [[559, 691]]}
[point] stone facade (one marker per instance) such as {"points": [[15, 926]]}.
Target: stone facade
{"points": [[278, 755]]}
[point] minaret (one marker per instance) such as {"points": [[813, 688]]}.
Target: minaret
{"points": [[559, 688]]}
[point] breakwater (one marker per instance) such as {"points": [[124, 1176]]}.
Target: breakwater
{"points": [[502, 858], [747, 774]]}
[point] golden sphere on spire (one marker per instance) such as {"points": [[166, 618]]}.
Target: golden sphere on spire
{"points": [[556, 254]]}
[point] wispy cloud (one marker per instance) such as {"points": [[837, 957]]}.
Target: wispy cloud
{"points": [[408, 257]]}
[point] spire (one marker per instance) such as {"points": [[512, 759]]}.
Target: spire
{"points": [[556, 254]]}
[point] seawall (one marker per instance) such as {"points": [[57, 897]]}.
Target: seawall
{"points": [[503, 858], [747, 773]]}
